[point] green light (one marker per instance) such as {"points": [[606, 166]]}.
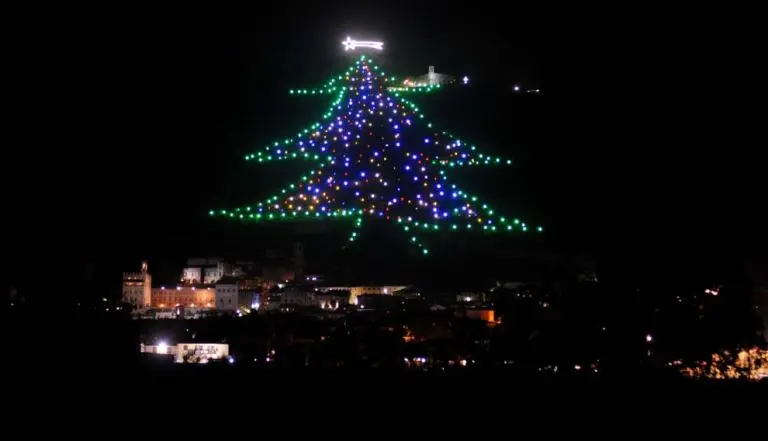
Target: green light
{"points": [[539, 229]]}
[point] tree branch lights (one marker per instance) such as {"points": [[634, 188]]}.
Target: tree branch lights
{"points": [[375, 156], [414, 89]]}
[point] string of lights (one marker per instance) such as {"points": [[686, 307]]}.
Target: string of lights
{"points": [[376, 157]]}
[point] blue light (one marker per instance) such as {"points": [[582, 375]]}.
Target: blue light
{"points": [[426, 140]]}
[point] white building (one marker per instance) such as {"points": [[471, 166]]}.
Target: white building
{"points": [[189, 352], [227, 294], [431, 78], [192, 275], [137, 287], [205, 270]]}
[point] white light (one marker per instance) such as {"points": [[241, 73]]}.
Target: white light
{"points": [[350, 44], [648, 338], [386, 290], [231, 359], [162, 348], [467, 299], [517, 88], [465, 80]]}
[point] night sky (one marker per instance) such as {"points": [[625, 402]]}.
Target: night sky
{"points": [[132, 121]]}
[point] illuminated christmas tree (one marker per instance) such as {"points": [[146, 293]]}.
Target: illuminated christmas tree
{"points": [[375, 156]]}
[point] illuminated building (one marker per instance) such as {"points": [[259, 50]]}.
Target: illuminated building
{"points": [[472, 297], [227, 294], [431, 78], [189, 352], [486, 315], [205, 270], [186, 296], [137, 287], [355, 291], [330, 300], [192, 275]]}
